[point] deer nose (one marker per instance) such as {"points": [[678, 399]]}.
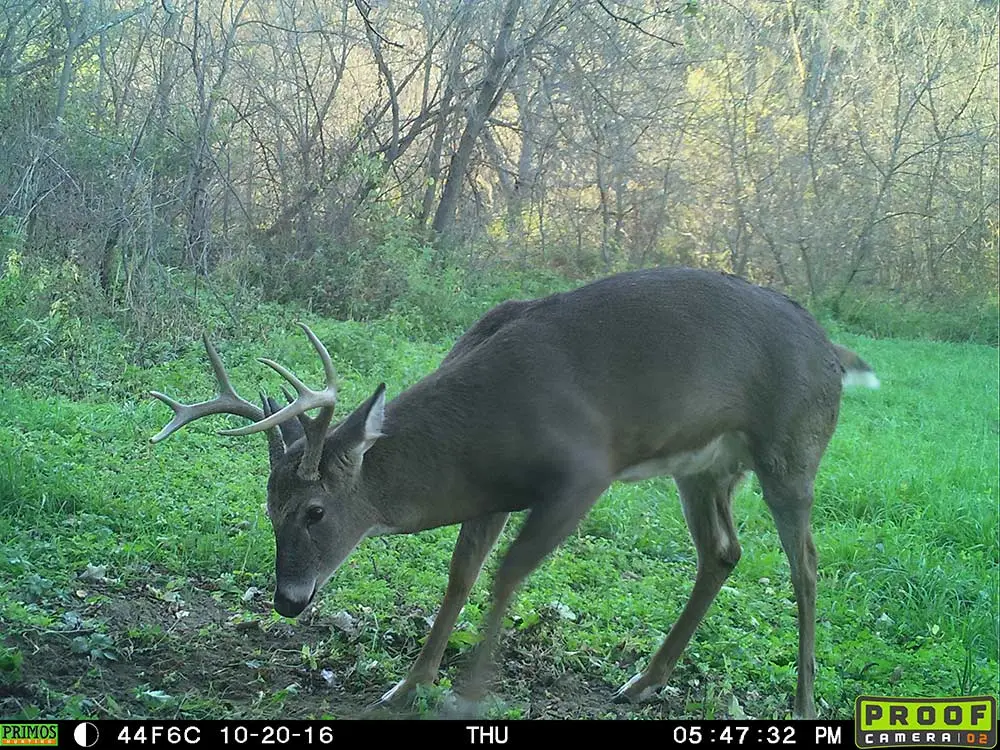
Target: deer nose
{"points": [[291, 605]]}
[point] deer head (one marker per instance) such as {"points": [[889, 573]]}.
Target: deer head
{"points": [[315, 496]]}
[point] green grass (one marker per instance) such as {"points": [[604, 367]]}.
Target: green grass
{"points": [[905, 522]]}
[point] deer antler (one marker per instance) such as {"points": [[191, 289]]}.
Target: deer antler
{"points": [[314, 428], [229, 402]]}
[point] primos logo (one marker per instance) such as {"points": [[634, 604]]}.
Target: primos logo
{"points": [[21, 735], [954, 722]]}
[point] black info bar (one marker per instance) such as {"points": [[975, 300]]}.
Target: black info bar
{"points": [[452, 733]]}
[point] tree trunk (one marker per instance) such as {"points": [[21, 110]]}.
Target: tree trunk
{"points": [[490, 92]]}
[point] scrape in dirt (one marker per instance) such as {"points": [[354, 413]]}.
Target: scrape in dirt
{"points": [[192, 652]]}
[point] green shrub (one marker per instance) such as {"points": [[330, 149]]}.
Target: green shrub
{"points": [[957, 320]]}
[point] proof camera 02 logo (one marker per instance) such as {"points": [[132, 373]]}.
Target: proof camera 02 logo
{"points": [[931, 722]]}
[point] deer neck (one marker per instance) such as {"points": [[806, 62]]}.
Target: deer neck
{"points": [[410, 476]]}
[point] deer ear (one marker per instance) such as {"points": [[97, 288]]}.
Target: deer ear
{"points": [[374, 418], [364, 426], [291, 430]]}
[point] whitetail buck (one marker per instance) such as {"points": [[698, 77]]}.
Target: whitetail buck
{"points": [[540, 406]]}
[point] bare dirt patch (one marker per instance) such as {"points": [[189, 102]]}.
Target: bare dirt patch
{"points": [[196, 653]]}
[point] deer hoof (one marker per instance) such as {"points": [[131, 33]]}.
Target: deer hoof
{"points": [[635, 691], [808, 712], [459, 707], [399, 694]]}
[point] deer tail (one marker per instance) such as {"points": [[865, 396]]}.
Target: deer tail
{"points": [[857, 372]]}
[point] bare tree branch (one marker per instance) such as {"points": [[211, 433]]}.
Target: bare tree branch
{"points": [[637, 25]]}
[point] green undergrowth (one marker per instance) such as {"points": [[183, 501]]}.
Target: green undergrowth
{"points": [[144, 571], [884, 316], [905, 523]]}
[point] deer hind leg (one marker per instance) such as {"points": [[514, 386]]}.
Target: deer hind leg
{"points": [[707, 501], [790, 502], [475, 540]]}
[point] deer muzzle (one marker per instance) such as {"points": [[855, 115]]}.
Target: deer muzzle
{"points": [[289, 601], [295, 572]]}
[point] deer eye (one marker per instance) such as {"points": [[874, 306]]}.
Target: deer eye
{"points": [[315, 514]]}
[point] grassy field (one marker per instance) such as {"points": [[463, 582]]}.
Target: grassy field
{"points": [[136, 581]]}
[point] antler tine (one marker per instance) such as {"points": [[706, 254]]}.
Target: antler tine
{"points": [[324, 355], [227, 402], [225, 387], [307, 399]]}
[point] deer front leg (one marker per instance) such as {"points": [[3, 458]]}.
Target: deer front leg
{"points": [[546, 527], [475, 540]]}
